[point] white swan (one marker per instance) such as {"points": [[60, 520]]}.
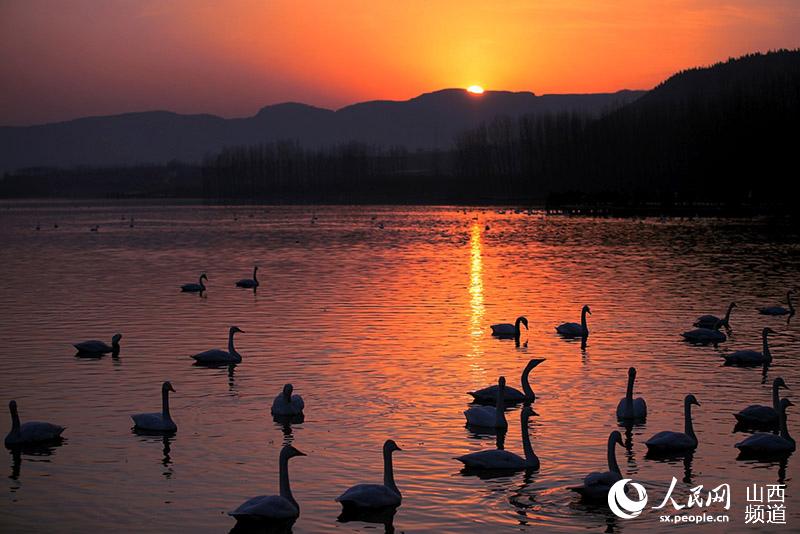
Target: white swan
{"points": [[372, 496], [286, 403], [501, 459], [98, 347], [30, 432], [705, 335], [219, 356], [509, 330], [630, 409], [199, 287], [157, 422], [779, 310], [596, 485], [712, 321], [486, 416], [752, 357], [668, 442], [766, 444], [281, 507], [759, 416], [511, 395], [575, 329], [249, 282]]}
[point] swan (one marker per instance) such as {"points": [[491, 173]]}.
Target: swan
{"points": [[668, 442], [509, 330], [596, 485], [249, 282], [501, 459], [372, 496], [30, 432], [766, 444], [98, 347], [760, 416], [195, 288], [157, 422], [752, 357], [575, 329], [779, 310], [286, 403], [712, 321], [487, 416], [281, 507], [630, 409], [219, 356], [512, 395], [705, 335]]}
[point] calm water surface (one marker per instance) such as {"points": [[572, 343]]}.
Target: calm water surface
{"points": [[383, 331]]}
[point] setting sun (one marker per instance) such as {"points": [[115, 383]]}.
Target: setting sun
{"points": [[475, 89]]}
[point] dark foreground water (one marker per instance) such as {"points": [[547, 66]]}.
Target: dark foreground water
{"points": [[379, 317]]}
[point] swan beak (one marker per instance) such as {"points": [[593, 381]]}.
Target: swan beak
{"points": [[534, 413], [172, 389], [298, 453], [696, 403]]}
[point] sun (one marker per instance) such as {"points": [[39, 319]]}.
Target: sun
{"points": [[475, 89]]}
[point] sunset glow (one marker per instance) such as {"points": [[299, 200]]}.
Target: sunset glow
{"points": [[81, 57], [475, 89]]}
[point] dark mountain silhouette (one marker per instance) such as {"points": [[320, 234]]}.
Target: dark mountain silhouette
{"points": [[428, 121]]}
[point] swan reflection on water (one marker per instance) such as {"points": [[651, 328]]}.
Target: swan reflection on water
{"points": [[32, 453]]}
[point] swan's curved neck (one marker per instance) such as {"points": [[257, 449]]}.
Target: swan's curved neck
{"points": [[583, 321], [629, 397], [230, 342], [202, 285], [612, 457], [688, 428], [165, 403], [14, 419], [526, 385], [766, 352], [526, 441], [285, 489], [517, 331], [728, 313], [776, 398], [255, 278], [783, 426], [789, 301], [388, 471]]}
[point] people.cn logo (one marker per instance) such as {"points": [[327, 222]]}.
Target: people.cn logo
{"points": [[621, 505]]}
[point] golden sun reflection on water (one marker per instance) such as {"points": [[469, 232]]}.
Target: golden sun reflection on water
{"points": [[476, 282]]}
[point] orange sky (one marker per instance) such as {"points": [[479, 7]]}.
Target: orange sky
{"points": [[66, 58]]}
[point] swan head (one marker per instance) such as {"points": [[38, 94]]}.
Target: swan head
{"points": [[732, 305], [204, 277], [616, 437], [586, 309], [523, 320], [779, 383], [166, 386], [290, 452], [690, 399], [115, 339], [632, 372], [287, 391], [785, 403], [534, 362], [501, 382], [527, 412], [12, 406], [768, 330], [235, 329], [390, 446]]}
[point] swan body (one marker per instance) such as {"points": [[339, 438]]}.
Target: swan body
{"points": [[752, 357], [219, 356], [764, 444], [249, 282], [159, 421], [712, 321], [596, 485], [779, 310], [511, 395], [758, 416], [286, 403], [705, 335], [98, 347], [498, 459], [669, 442], [372, 496], [199, 287], [575, 329], [486, 416], [509, 330], [630, 409], [281, 507], [31, 432]]}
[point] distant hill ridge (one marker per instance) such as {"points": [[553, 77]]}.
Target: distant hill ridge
{"points": [[430, 120]]}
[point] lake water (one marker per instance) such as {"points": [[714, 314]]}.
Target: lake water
{"points": [[382, 330]]}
